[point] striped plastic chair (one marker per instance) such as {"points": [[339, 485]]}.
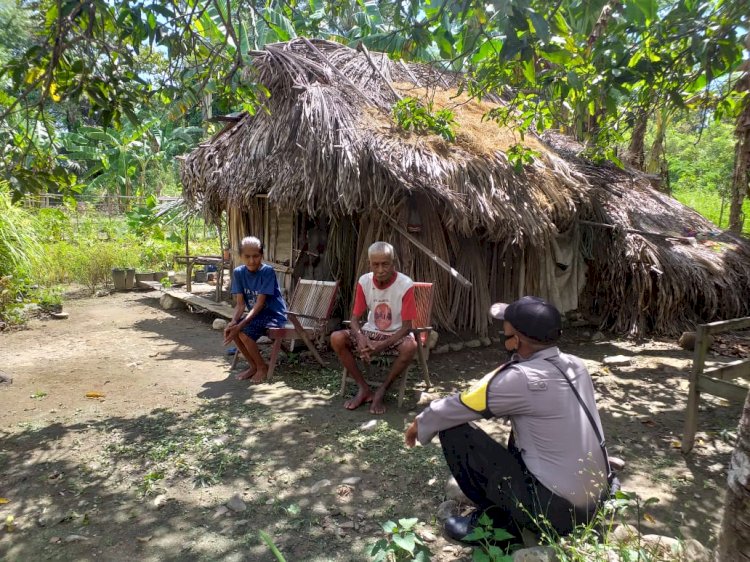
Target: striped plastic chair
{"points": [[308, 314], [421, 329]]}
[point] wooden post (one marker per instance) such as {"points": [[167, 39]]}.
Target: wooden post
{"points": [[691, 416]]}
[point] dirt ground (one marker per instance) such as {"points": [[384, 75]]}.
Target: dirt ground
{"points": [[142, 471]]}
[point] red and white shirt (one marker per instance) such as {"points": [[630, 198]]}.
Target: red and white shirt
{"points": [[389, 305]]}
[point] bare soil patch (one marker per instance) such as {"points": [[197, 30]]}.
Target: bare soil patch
{"points": [[142, 471]]}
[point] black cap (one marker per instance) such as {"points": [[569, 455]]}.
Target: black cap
{"points": [[533, 317]]}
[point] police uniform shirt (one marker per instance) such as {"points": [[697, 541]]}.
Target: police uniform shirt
{"points": [[551, 429]]}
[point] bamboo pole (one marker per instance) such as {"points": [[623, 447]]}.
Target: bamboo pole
{"points": [[455, 274]]}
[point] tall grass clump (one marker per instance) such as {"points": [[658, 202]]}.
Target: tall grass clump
{"points": [[20, 251], [19, 242]]}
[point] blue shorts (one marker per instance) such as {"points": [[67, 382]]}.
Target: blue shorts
{"points": [[259, 325]]}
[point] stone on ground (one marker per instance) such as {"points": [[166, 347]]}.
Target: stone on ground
{"points": [[168, 302], [236, 504]]}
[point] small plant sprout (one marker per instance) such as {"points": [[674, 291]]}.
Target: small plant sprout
{"points": [[487, 537], [400, 544]]}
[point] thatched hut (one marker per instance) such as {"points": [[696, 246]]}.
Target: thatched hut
{"points": [[323, 170]]}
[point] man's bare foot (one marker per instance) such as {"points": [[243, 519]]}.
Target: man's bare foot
{"points": [[246, 374], [260, 376], [361, 397], [377, 407]]}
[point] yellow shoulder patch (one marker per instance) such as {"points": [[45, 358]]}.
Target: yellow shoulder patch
{"points": [[476, 397]]}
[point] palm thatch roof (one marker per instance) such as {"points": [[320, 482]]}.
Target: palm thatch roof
{"points": [[325, 143]]}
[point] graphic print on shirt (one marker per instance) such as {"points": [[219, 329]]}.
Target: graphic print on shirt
{"points": [[383, 316], [250, 298]]}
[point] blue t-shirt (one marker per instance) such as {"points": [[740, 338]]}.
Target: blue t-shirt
{"points": [[262, 282]]}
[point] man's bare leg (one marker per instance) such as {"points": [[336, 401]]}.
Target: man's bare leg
{"points": [[258, 370], [406, 352], [341, 344]]}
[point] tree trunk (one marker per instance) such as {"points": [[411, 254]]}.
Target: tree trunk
{"points": [[656, 162], [734, 535], [741, 175], [636, 150]]}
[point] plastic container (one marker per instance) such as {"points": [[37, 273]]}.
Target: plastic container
{"points": [[119, 278], [199, 275], [145, 276], [129, 278]]}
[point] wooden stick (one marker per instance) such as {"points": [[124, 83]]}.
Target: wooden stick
{"points": [[455, 274], [635, 231], [338, 73], [361, 47]]}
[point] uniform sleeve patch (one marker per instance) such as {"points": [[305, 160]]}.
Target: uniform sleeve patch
{"points": [[476, 397]]}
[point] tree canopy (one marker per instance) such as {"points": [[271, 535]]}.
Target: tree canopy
{"points": [[595, 69]]}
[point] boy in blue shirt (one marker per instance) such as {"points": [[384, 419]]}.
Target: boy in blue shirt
{"points": [[258, 292]]}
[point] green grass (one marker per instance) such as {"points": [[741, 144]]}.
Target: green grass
{"points": [[708, 204]]}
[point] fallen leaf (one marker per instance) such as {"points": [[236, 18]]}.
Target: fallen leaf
{"points": [[649, 423], [676, 443], [93, 394], [649, 518], [4, 500], [145, 539]]}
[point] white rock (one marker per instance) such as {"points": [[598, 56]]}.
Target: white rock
{"points": [[219, 324], [352, 480], [486, 341], [535, 554], [458, 346], [168, 302], [441, 349], [661, 543], [616, 463], [617, 360], [424, 398], [59, 315], [624, 533], [75, 538], [221, 511], [693, 551], [427, 536], [432, 339], [597, 336], [473, 343], [447, 509], [236, 504], [159, 501], [453, 492], [319, 485], [370, 425]]}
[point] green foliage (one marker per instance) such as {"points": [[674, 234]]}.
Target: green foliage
{"points": [[49, 299], [520, 156], [266, 538], [410, 113], [400, 543], [19, 243], [486, 536]]}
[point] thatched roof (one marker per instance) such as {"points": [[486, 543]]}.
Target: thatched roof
{"points": [[688, 271], [325, 143]]}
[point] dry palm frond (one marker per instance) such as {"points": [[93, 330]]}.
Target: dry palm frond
{"points": [[326, 145]]}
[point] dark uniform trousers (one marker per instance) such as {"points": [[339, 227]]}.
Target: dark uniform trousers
{"points": [[497, 480]]}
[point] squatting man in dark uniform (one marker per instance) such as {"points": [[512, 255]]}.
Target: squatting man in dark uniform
{"points": [[554, 465]]}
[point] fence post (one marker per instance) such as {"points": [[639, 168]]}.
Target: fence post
{"points": [[691, 418]]}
